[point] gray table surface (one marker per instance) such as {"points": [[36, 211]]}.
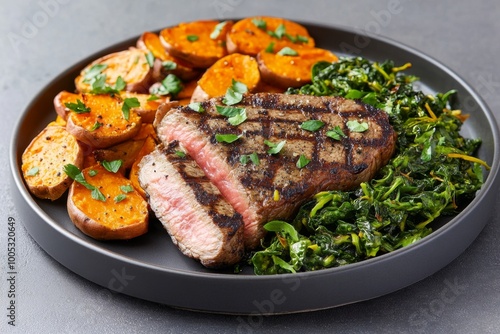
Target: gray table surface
{"points": [[41, 38]]}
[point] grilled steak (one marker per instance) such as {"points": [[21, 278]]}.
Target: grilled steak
{"points": [[199, 220], [276, 187]]}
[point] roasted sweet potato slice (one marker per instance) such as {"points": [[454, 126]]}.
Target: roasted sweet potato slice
{"points": [[108, 207], [219, 77], [130, 65], [254, 34], [293, 67], [164, 62], [103, 122], [44, 158], [200, 43]]}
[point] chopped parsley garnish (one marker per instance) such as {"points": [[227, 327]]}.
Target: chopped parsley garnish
{"points": [[270, 48], [279, 32], [226, 138], [79, 107], [192, 38], [196, 106], [76, 174], [260, 23], [129, 103], [355, 126], [112, 166], [235, 116], [234, 94], [336, 133], [170, 85], [180, 154], [33, 171], [127, 188], [150, 58], [99, 86], [119, 198], [275, 148], [153, 97], [93, 72], [96, 126], [169, 65], [217, 30], [287, 51], [254, 158], [312, 125], [303, 161]]}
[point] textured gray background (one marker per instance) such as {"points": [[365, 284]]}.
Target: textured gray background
{"points": [[41, 38]]}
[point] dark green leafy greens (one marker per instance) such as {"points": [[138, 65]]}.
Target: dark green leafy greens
{"points": [[433, 173]]}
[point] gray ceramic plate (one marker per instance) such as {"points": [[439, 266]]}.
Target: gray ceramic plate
{"points": [[151, 268]]}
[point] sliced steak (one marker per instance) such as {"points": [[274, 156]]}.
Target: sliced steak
{"points": [[276, 187], [199, 220]]}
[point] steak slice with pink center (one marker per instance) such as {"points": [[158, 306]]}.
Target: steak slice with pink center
{"points": [[201, 223], [276, 186]]}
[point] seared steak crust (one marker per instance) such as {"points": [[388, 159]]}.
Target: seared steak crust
{"points": [[276, 187], [199, 220]]}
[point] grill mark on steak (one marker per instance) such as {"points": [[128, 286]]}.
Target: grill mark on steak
{"points": [[198, 219], [339, 165]]}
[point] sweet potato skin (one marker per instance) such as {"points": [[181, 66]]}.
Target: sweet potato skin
{"points": [[48, 152], [105, 113], [131, 65], [291, 71], [247, 38], [219, 77], [201, 50], [107, 220]]}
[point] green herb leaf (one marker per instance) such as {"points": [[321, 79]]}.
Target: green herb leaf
{"points": [[303, 161], [227, 138], [169, 65], [355, 126], [234, 94], [92, 172], [275, 148], [120, 84], [112, 166], [312, 125], [79, 107], [192, 38], [196, 106], [150, 58], [97, 194], [180, 154], [33, 171], [260, 23], [119, 198], [235, 115], [76, 174], [270, 48], [279, 32], [336, 133], [93, 72], [170, 85], [129, 103], [96, 126], [153, 97], [217, 30], [127, 188], [287, 51], [254, 158]]}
